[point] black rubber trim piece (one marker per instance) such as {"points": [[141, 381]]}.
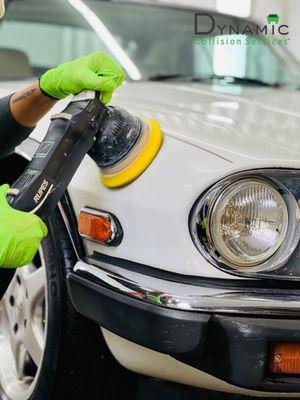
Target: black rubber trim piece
{"points": [[188, 279], [164, 330], [237, 351], [67, 206]]}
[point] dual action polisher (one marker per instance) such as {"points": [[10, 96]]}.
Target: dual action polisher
{"points": [[121, 144]]}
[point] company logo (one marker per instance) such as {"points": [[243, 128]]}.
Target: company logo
{"points": [[273, 32], [273, 19], [44, 149], [41, 191]]}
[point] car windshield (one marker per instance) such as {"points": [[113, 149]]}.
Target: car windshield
{"points": [[149, 41]]}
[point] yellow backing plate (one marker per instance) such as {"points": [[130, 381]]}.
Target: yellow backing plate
{"points": [[139, 165]]}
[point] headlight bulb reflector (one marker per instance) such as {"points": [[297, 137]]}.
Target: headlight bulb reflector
{"points": [[248, 222]]}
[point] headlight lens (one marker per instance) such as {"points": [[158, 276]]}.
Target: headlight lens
{"points": [[248, 222]]}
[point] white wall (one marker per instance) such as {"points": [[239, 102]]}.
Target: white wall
{"points": [[292, 12], [198, 3], [289, 11]]}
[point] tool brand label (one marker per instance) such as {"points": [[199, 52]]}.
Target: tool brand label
{"points": [[44, 150], [41, 191]]}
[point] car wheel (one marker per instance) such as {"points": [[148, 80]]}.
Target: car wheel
{"points": [[48, 350]]}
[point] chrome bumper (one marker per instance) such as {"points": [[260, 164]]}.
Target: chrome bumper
{"points": [[205, 297], [203, 323]]}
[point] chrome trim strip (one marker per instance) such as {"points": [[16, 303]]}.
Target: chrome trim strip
{"points": [[68, 227], [182, 296]]}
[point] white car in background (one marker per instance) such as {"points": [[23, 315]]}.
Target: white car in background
{"points": [[202, 292]]}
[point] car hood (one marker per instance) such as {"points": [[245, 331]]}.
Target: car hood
{"points": [[254, 125], [243, 124]]}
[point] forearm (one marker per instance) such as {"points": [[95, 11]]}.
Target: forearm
{"points": [[19, 114], [29, 105], [11, 132]]}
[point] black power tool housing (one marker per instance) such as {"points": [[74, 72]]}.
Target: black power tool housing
{"points": [[107, 133]]}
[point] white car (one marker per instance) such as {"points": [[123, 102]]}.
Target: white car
{"points": [[202, 289]]}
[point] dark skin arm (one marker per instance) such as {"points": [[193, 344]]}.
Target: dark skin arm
{"points": [[30, 104]]}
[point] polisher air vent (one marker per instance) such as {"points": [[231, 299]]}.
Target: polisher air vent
{"points": [[24, 179]]}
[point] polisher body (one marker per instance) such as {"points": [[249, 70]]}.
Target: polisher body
{"points": [[70, 136], [121, 145]]}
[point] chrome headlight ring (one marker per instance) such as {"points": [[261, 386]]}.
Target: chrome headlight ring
{"points": [[276, 241]]}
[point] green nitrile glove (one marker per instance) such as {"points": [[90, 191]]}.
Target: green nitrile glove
{"points": [[20, 234], [94, 72]]}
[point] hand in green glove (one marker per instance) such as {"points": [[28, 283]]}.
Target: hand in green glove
{"points": [[94, 72], [20, 234]]}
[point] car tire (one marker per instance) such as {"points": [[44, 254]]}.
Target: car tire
{"points": [[71, 341], [76, 363]]}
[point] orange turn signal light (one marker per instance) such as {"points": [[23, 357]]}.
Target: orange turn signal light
{"points": [[285, 358], [94, 227]]}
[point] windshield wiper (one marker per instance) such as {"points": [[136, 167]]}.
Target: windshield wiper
{"points": [[235, 79], [166, 77], [226, 78]]}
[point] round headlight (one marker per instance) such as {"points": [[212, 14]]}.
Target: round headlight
{"points": [[247, 222]]}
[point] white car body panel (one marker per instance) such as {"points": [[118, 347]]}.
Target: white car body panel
{"points": [[209, 132], [196, 153], [162, 366]]}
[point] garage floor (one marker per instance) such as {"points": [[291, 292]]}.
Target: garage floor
{"points": [[151, 389]]}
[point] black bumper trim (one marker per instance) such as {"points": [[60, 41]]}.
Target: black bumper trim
{"points": [[164, 330], [237, 350], [231, 347]]}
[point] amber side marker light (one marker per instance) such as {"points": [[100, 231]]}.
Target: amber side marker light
{"points": [[99, 226], [284, 358]]}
